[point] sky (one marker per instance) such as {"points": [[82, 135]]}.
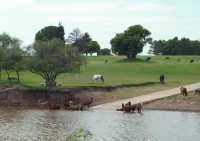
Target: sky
{"points": [[102, 19]]}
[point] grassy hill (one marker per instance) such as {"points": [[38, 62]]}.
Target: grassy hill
{"points": [[118, 70]]}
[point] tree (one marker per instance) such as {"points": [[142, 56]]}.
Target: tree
{"points": [[79, 40], [131, 42], [49, 32], [156, 47], [86, 37], [82, 42], [60, 32], [105, 51], [51, 58], [92, 47], [74, 35], [10, 54]]}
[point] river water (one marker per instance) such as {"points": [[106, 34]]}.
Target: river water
{"points": [[105, 125]]}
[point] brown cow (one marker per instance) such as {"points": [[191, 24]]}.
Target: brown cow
{"points": [[128, 107], [183, 91], [162, 79]]}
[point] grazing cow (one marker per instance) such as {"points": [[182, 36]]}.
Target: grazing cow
{"points": [[106, 61], [162, 79], [166, 58], [148, 58], [191, 61], [183, 91], [97, 77]]}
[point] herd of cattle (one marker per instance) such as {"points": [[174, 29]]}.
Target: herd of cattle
{"points": [[167, 58], [128, 107], [70, 103]]}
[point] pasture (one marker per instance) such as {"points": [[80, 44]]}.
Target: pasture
{"points": [[118, 71]]}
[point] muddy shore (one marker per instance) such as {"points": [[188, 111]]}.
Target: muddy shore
{"points": [[19, 96], [190, 104]]}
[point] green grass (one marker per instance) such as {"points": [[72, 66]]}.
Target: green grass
{"points": [[119, 70]]}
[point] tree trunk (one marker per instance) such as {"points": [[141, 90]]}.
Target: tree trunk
{"points": [[8, 75], [131, 56], [50, 82], [17, 77]]}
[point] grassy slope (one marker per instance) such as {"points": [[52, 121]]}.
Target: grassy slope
{"points": [[120, 71]]}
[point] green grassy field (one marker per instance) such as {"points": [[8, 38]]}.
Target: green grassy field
{"points": [[118, 70]]}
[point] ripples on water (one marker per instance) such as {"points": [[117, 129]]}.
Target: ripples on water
{"points": [[105, 125]]}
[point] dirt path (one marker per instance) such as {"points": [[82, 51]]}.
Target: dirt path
{"points": [[147, 97]]}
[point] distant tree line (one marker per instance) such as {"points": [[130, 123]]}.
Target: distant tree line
{"points": [[175, 46]]}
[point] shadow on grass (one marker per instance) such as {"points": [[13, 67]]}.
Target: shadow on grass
{"points": [[135, 60]]}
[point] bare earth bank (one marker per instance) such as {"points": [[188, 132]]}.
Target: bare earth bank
{"points": [[190, 103], [17, 97]]}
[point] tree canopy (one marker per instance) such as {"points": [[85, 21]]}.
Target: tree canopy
{"points": [[83, 42], [131, 42], [53, 57], [49, 32], [92, 47], [105, 51]]}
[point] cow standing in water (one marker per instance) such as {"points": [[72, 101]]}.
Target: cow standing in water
{"points": [[162, 79]]}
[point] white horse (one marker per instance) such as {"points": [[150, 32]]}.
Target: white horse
{"points": [[97, 77]]}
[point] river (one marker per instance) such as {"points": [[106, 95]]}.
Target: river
{"points": [[105, 125]]}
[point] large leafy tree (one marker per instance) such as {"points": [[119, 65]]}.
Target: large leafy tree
{"points": [[92, 47], [10, 54], [131, 42], [49, 32], [51, 58]]}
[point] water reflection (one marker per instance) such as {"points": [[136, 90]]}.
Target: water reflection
{"points": [[105, 125]]}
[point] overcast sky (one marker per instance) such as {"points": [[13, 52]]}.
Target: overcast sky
{"points": [[102, 19]]}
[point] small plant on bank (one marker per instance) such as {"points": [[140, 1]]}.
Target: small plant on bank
{"points": [[80, 135]]}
